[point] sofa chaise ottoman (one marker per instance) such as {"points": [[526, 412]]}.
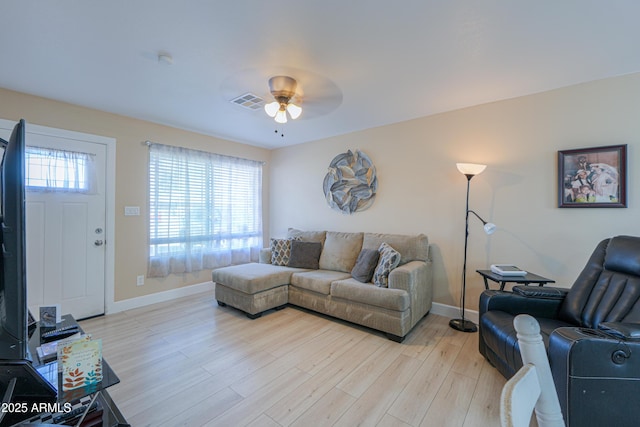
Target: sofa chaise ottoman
{"points": [[253, 288], [329, 285]]}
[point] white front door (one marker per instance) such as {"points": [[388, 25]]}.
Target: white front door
{"points": [[66, 236]]}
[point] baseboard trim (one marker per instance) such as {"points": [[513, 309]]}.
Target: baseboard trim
{"points": [[169, 295], [453, 312]]}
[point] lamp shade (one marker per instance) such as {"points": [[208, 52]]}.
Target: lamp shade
{"points": [[281, 116], [489, 228], [294, 111], [272, 108], [470, 168]]}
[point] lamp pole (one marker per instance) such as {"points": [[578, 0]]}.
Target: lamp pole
{"points": [[462, 324], [469, 170]]}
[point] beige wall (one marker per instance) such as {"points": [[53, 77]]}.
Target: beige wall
{"points": [[420, 189], [131, 177]]}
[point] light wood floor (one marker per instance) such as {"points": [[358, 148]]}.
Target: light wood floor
{"points": [[190, 362]]}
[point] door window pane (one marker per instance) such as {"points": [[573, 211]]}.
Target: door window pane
{"points": [[48, 169]]}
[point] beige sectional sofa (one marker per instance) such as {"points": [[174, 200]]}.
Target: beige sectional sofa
{"points": [[328, 286]]}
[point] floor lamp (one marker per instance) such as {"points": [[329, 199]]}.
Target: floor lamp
{"points": [[469, 170]]}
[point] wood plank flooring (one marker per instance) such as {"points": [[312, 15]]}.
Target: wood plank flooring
{"points": [[189, 362]]}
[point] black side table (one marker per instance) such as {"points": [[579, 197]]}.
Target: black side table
{"points": [[527, 279]]}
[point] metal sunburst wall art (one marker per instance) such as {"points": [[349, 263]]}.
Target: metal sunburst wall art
{"points": [[350, 184]]}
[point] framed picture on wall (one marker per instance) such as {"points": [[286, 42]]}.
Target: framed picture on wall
{"points": [[593, 177]]}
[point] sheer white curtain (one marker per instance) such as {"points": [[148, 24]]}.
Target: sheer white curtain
{"points": [[48, 169], [205, 210]]}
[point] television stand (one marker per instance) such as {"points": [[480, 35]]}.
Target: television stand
{"points": [[83, 403]]}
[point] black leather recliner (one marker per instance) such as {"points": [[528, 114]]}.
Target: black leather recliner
{"points": [[591, 331]]}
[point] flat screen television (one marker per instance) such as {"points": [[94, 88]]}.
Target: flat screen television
{"points": [[13, 283], [20, 383]]}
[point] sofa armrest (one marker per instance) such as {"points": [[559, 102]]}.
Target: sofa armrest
{"points": [[415, 277], [515, 304], [405, 277], [265, 256]]}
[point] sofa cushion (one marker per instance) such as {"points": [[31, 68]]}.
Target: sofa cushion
{"points": [[411, 248], [340, 251], [368, 293], [365, 265], [280, 251], [389, 259], [307, 236], [254, 277], [317, 281], [305, 254]]}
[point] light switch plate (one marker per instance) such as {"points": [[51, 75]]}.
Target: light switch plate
{"points": [[132, 210]]}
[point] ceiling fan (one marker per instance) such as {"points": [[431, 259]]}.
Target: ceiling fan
{"points": [[291, 89], [283, 89]]}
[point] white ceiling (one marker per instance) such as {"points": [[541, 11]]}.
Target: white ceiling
{"points": [[360, 63]]}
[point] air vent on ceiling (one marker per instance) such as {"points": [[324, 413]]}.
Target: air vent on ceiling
{"points": [[249, 101]]}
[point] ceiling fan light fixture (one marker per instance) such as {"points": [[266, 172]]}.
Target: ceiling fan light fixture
{"points": [[294, 111], [283, 89], [281, 116], [272, 108]]}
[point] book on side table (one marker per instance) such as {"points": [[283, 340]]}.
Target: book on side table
{"points": [[507, 270]]}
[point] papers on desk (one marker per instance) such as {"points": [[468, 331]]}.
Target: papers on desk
{"points": [[507, 270]]}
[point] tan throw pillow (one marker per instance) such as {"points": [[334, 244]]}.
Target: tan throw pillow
{"points": [[389, 259]]}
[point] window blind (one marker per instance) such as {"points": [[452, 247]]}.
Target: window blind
{"points": [[205, 209]]}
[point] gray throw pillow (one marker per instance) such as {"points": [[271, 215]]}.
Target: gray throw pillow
{"points": [[365, 265], [305, 254]]}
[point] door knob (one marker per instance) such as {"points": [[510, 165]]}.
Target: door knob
{"points": [[99, 242]]}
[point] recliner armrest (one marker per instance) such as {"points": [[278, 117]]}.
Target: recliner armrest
{"points": [[547, 292], [515, 304], [624, 331], [595, 376]]}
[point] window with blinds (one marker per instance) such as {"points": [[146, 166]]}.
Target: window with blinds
{"points": [[202, 203]]}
